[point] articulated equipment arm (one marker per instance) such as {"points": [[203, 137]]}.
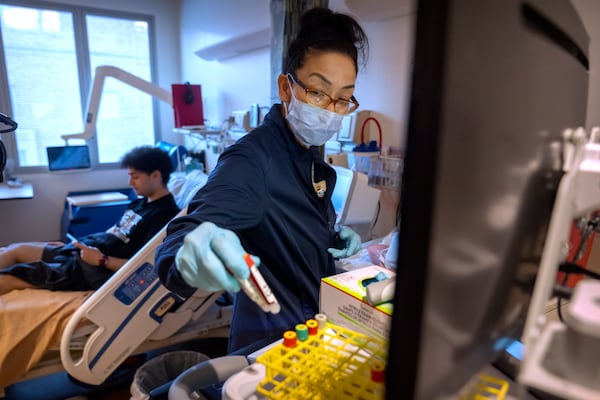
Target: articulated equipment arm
{"points": [[93, 103]]}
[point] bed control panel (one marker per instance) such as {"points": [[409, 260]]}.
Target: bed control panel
{"points": [[136, 284]]}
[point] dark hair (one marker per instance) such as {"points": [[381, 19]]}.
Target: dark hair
{"points": [[324, 30], [149, 159]]}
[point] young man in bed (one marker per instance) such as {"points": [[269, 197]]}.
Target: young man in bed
{"points": [[87, 263]]}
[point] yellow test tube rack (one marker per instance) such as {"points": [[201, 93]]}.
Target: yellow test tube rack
{"points": [[485, 387], [329, 363]]}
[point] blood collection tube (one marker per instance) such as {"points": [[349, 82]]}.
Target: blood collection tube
{"points": [[313, 326], [322, 320], [302, 332], [290, 339], [377, 371]]}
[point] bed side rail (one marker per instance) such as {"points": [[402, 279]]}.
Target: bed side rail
{"points": [[125, 312]]}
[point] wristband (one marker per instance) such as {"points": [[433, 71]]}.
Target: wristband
{"points": [[103, 262]]}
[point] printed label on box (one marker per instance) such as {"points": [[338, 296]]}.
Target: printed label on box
{"points": [[343, 301]]}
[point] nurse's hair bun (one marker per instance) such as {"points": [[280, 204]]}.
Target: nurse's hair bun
{"points": [[324, 30]]}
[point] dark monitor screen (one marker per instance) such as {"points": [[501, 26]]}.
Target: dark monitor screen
{"points": [[494, 86], [68, 158]]}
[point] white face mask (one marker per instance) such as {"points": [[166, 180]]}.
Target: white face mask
{"points": [[312, 125]]}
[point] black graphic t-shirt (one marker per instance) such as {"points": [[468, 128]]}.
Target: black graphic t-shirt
{"points": [[138, 224]]}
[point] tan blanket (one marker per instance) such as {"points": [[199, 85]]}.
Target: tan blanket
{"points": [[31, 322]]}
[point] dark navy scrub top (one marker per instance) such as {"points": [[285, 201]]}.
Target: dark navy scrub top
{"points": [[261, 189]]}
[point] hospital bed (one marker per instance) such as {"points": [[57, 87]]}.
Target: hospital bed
{"points": [[90, 334]]}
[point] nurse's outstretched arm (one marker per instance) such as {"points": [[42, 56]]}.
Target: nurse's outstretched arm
{"points": [[213, 259]]}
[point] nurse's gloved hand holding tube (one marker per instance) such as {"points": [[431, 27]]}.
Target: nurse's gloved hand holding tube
{"points": [[349, 243], [212, 259]]}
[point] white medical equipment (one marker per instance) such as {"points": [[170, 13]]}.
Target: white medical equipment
{"points": [[563, 359], [354, 201], [352, 127]]}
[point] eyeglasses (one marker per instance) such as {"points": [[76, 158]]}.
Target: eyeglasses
{"points": [[323, 100]]}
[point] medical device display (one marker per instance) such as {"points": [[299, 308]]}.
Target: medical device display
{"points": [[494, 86], [354, 201]]}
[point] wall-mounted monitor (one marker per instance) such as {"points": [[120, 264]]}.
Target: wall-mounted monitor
{"points": [[68, 158]]}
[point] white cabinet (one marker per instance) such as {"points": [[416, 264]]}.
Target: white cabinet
{"points": [[376, 10], [236, 46]]}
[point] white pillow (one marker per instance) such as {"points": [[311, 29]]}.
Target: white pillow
{"points": [[184, 186]]}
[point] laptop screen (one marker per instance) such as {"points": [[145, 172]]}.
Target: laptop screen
{"points": [[66, 158]]}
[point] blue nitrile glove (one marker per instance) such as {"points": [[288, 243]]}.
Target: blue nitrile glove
{"points": [[209, 256], [349, 241]]}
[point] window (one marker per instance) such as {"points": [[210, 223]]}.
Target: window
{"points": [[124, 44], [50, 56]]}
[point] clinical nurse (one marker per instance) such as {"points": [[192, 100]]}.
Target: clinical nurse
{"points": [[270, 193]]}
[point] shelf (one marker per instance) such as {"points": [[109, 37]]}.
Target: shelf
{"points": [[24, 191], [236, 46]]}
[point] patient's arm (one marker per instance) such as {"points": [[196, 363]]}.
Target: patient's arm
{"points": [[93, 256], [113, 263]]}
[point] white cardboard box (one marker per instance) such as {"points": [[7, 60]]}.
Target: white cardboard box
{"points": [[342, 299]]}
